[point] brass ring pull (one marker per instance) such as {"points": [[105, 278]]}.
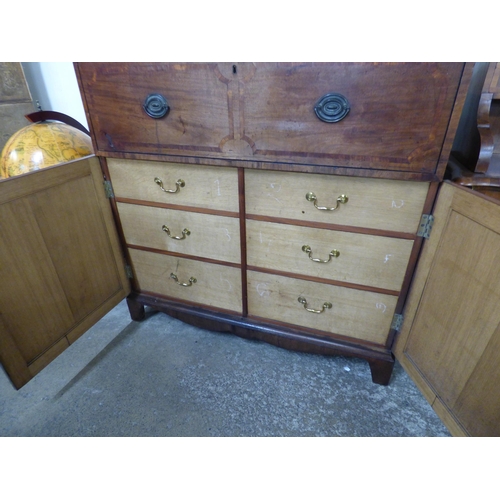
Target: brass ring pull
{"points": [[178, 185], [191, 280], [313, 198], [326, 305], [185, 232], [308, 251]]}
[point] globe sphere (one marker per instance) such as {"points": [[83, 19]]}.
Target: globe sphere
{"points": [[41, 145]]}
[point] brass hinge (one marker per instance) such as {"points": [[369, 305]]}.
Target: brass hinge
{"points": [[108, 189], [397, 322], [128, 271], [425, 227]]}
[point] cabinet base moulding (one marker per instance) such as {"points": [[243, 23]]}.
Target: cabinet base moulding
{"points": [[380, 360]]}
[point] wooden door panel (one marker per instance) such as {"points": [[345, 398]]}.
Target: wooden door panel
{"points": [[80, 250], [478, 403], [61, 265], [449, 341], [31, 295], [459, 276]]}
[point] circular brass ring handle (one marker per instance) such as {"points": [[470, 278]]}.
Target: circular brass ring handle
{"points": [[326, 305], [307, 249], [332, 108], [191, 280], [156, 106], [178, 185], [185, 232], [313, 198]]}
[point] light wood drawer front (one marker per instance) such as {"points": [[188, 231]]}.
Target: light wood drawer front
{"points": [[354, 313], [205, 187], [216, 285], [375, 261], [372, 203], [211, 236]]}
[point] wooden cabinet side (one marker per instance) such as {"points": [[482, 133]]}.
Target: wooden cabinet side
{"points": [[61, 265]]}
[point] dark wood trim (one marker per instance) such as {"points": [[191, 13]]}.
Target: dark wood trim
{"points": [[112, 201], [156, 300], [136, 309], [381, 360], [431, 198], [243, 239], [284, 167], [454, 120], [381, 371], [412, 263], [333, 227], [317, 334], [118, 224], [197, 153], [315, 279], [183, 208], [83, 95], [185, 256]]}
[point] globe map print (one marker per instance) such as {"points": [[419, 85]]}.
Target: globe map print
{"points": [[41, 145]]}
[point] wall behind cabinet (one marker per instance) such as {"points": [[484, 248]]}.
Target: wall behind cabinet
{"points": [[54, 86]]}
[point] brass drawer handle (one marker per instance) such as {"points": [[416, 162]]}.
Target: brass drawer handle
{"points": [[191, 280], [185, 232], [178, 185], [326, 305], [308, 251], [313, 198]]}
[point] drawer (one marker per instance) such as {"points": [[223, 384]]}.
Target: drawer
{"points": [[375, 261], [210, 236], [204, 187], [216, 285], [354, 313], [196, 94], [397, 119], [371, 203]]}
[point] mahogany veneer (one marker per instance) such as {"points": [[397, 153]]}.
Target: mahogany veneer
{"points": [[249, 141]]}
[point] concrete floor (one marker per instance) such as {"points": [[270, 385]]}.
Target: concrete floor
{"points": [[162, 377]]}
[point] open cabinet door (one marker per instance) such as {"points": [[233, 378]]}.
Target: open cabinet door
{"points": [[61, 265], [450, 339]]}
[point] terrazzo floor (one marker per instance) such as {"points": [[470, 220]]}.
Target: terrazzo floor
{"points": [[161, 377]]}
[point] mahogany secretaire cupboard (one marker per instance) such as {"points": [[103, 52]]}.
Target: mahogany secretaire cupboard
{"points": [[286, 202]]}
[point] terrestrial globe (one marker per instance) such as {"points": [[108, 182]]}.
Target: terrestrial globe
{"points": [[41, 145]]}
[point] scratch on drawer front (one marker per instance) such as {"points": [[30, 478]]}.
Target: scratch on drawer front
{"points": [[398, 204], [227, 234], [230, 287], [218, 186], [262, 290], [276, 188], [381, 307], [387, 257], [261, 239]]}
